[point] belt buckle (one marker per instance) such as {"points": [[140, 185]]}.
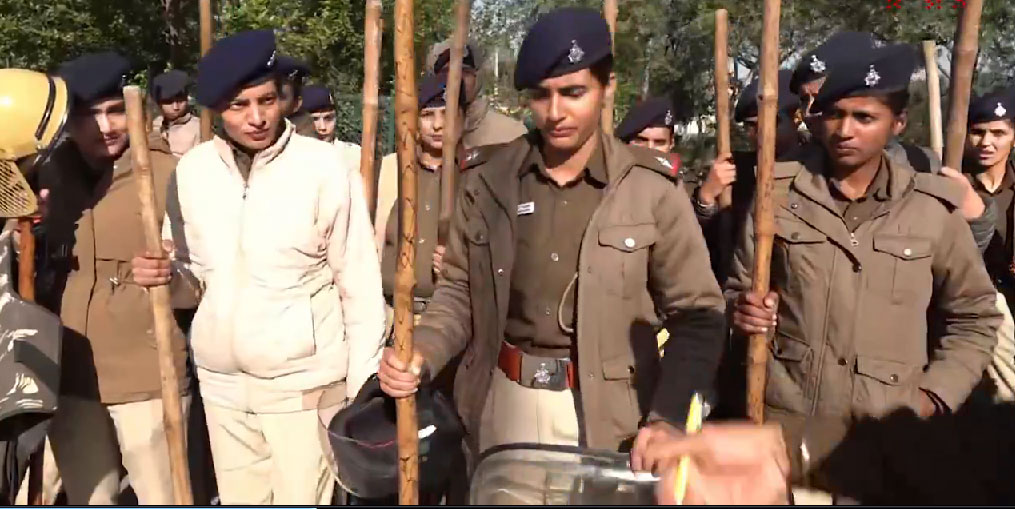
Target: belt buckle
{"points": [[550, 375]]}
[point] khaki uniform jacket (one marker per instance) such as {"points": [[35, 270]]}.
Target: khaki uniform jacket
{"points": [[643, 264], [91, 236], [852, 338]]}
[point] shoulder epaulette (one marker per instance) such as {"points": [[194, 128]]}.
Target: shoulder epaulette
{"points": [[654, 160], [940, 187], [478, 156]]}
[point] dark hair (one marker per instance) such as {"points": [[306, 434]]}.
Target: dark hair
{"points": [[602, 69]]}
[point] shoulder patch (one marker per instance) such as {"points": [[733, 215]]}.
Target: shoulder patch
{"points": [[940, 187], [653, 160]]}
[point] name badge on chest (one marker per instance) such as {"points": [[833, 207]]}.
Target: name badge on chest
{"points": [[526, 208]]}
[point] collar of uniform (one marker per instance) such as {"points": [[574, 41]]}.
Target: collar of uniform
{"points": [[226, 148], [1007, 181], [879, 187], [595, 167], [185, 118]]}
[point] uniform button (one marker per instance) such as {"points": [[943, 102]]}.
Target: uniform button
{"points": [[893, 378], [857, 268], [427, 207], [907, 251], [554, 257], [422, 241], [629, 242], [854, 217], [591, 375], [795, 236], [546, 311], [842, 362], [500, 272], [564, 202], [794, 206]]}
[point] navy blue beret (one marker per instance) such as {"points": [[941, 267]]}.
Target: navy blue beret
{"points": [[317, 97], [998, 104], [881, 71], [233, 62], [839, 48], [747, 103], [95, 76], [432, 91], [561, 42], [169, 84], [655, 112], [291, 68], [468, 60]]}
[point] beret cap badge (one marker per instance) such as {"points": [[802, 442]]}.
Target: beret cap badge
{"points": [[1000, 110], [576, 54], [817, 65], [873, 78], [271, 60], [669, 117]]}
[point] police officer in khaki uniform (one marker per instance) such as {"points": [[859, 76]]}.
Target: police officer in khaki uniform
{"points": [[650, 124], [987, 164], [429, 159], [483, 124], [179, 127], [110, 411], [319, 105], [568, 250], [869, 255], [807, 80]]}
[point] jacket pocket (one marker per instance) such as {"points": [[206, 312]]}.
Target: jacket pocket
{"points": [[789, 373], [908, 259], [620, 397], [273, 333], [797, 255], [627, 248], [883, 385]]}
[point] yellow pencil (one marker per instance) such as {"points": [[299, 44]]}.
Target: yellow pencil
{"points": [[694, 418]]}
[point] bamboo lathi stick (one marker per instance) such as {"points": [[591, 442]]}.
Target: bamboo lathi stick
{"points": [[406, 109], [610, 13], [963, 65], [722, 96], [451, 120], [172, 409], [934, 97], [206, 41], [764, 226], [371, 83]]}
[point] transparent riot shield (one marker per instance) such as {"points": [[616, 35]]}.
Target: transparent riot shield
{"points": [[536, 474]]}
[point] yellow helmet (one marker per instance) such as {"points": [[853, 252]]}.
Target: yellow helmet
{"points": [[33, 110]]}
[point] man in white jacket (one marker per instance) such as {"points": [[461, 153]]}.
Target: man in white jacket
{"points": [[274, 227]]}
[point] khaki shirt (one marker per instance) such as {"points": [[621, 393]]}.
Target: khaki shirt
{"points": [[93, 231], [859, 211], [181, 134], [869, 319], [551, 223], [428, 201]]}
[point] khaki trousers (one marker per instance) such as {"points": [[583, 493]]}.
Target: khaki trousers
{"points": [[263, 459], [92, 440], [514, 413], [1002, 365]]}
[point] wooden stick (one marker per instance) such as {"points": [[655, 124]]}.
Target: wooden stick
{"points": [[206, 41], [26, 287], [610, 13], [450, 146], [371, 82], [934, 97], [764, 227], [406, 110], [722, 96], [172, 413], [963, 64]]}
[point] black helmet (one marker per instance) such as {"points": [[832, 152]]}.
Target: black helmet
{"points": [[363, 438]]}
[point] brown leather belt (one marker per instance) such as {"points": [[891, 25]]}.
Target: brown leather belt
{"points": [[535, 372]]}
